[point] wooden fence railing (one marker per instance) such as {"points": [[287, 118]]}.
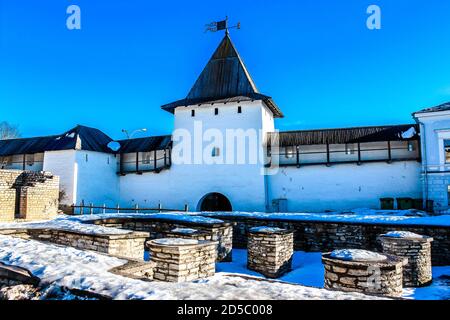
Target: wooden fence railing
{"points": [[90, 208]]}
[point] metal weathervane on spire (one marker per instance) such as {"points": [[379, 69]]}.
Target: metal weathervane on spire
{"points": [[220, 25]]}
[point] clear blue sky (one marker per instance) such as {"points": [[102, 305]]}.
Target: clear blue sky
{"points": [[316, 58]]}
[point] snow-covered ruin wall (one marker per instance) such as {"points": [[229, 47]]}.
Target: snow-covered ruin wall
{"points": [[28, 195], [325, 236]]}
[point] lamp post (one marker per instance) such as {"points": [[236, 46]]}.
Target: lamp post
{"points": [[130, 135]]}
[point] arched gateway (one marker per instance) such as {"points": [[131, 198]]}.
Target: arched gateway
{"points": [[214, 202]]}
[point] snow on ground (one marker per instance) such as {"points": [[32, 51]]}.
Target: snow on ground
{"points": [[64, 223], [308, 270], [85, 270], [357, 255], [394, 217], [81, 223]]}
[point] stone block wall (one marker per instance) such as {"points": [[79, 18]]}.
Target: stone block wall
{"points": [[377, 278], [270, 252], [28, 195], [130, 245], [136, 270], [322, 236], [221, 233], [184, 261], [417, 272]]}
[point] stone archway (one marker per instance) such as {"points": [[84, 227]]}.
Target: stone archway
{"points": [[214, 202]]}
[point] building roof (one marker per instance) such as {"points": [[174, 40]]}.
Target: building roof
{"points": [[78, 138], [442, 107], [347, 135], [225, 77], [144, 144]]}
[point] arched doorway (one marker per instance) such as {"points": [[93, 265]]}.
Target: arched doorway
{"points": [[214, 202]]}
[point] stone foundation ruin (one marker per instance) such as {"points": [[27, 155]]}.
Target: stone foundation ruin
{"points": [[27, 195], [364, 271], [179, 260], [270, 251], [417, 249]]}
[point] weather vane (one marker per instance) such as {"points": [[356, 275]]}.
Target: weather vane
{"points": [[221, 25]]}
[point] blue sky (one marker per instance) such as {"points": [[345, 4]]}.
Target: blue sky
{"points": [[316, 58]]}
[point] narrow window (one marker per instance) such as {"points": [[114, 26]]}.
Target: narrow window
{"points": [[30, 159], [447, 150], [87, 157], [349, 149], [448, 194], [215, 152], [239, 109], [290, 152], [192, 113], [147, 157], [216, 111]]}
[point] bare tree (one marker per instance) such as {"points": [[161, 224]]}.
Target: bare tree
{"points": [[8, 131]]}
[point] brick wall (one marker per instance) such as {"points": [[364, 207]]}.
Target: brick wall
{"points": [[28, 195]]}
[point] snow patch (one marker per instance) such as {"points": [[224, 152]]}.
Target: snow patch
{"points": [[403, 234], [357, 255], [266, 229], [184, 230], [175, 241]]}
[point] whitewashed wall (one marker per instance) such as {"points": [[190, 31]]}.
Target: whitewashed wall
{"points": [[98, 181], [341, 187], [435, 128], [62, 164], [242, 184]]}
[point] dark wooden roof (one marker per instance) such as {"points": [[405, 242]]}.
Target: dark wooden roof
{"points": [[224, 77], [442, 107], [78, 138], [144, 144], [344, 135]]}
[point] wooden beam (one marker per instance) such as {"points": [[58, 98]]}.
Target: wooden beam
{"points": [[154, 159], [328, 155], [297, 149], [389, 152], [24, 161], [137, 161], [359, 153]]}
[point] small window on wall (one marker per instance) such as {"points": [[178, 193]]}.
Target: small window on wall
{"points": [[5, 161], [30, 159], [290, 152], [239, 109], [447, 150], [192, 113], [216, 111], [146, 157], [215, 152], [448, 194]]}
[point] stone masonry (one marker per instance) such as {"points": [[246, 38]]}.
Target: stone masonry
{"points": [[417, 272], [129, 245], [324, 236], [28, 195], [370, 277], [270, 251], [221, 233], [179, 260]]}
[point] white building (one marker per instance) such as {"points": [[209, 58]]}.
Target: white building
{"points": [[335, 169]]}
